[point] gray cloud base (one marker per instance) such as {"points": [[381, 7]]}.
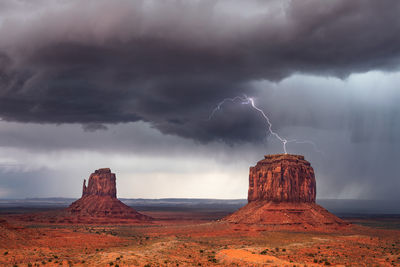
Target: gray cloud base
{"points": [[169, 62], [358, 132], [164, 65]]}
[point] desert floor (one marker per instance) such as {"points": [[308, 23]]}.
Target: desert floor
{"points": [[189, 238]]}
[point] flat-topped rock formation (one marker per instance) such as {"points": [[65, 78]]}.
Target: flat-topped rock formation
{"points": [[99, 201], [282, 190], [282, 178]]}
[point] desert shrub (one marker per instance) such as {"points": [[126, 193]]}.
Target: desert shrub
{"points": [[201, 251], [111, 263], [327, 263], [284, 249], [147, 265], [29, 264], [315, 261], [277, 249], [212, 258], [5, 253], [264, 252], [116, 265]]}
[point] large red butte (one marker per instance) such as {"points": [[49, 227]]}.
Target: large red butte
{"points": [[281, 194], [282, 178]]}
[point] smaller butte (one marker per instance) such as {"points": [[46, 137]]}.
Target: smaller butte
{"points": [[282, 191], [99, 202], [98, 205]]}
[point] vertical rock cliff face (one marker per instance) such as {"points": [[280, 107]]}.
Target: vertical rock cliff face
{"points": [[282, 190], [101, 183], [282, 178]]}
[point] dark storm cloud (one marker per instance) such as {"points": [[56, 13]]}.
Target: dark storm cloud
{"points": [[170, 62]]}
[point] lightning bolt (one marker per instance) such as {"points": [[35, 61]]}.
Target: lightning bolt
{"points": [[250, 101]]}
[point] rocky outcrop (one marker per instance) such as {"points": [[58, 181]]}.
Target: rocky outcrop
{"points": [[282, 178], [282, 190], [101, 183], [99, 201]]}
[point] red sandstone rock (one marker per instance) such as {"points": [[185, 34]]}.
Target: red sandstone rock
{"points": [[286, 215], [99, 201], [281, 195], [101, 183], [282, 178]]}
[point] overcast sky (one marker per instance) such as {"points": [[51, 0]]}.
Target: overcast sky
{"points": [[130, 85]]}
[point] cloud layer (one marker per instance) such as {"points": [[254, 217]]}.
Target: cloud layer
{"points": [[355, 123], [142, 78], [169, 62]]}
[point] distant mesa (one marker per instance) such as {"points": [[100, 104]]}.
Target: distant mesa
{"points": [[99, 200], [282, 191]]}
